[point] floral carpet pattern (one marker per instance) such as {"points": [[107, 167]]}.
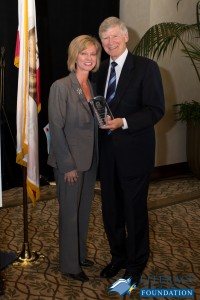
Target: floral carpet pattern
{"points": [[174, 243]]}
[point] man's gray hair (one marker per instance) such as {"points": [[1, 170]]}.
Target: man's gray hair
{"points": [[112, 22]]}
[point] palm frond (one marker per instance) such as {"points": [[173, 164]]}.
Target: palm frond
{"points": [[162, 38], [193, 51], [198, 15]]}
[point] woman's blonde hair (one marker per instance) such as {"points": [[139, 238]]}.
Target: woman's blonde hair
{"points": [[79, 44]]}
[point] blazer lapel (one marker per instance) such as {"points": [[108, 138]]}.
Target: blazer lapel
{"points": [[123, 80], [102, 77], [77, 88], [124, 76]]}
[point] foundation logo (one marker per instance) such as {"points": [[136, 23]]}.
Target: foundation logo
{"points": [[122, 286], [162, 286], [158, 286]]}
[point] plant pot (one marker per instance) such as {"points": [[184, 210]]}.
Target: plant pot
{"points": [[193, 147]]}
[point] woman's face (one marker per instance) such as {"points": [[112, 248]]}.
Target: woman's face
{"points": [[86, 59]]}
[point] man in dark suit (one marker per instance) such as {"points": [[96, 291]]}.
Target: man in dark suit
{"points": [[127, 149]]}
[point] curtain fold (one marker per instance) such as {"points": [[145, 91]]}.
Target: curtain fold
{"points": [[58, 22]]}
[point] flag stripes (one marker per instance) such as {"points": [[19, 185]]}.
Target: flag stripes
{"points": [[28, 95]]}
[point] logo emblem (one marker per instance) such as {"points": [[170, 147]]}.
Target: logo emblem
{"points": [[122, 286]]}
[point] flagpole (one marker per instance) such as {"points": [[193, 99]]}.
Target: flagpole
{"points": [[27, 256], [28, 106]]}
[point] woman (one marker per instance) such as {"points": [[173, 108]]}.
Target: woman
{"points": [[73, 153]]}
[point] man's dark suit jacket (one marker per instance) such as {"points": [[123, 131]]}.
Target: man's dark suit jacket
{"points": [[139, 98]]}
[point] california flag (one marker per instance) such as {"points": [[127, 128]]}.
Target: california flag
{"points": [[28, 95]]}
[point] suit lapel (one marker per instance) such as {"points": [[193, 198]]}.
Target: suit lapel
{"points": [[125, 75], [77, 88], [102, 77], [123, 80]]}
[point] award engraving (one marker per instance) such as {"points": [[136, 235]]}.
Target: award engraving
{"points": [[101, 109]]}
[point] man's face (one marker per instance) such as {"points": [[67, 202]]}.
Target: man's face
{"points": [[114, 41]]}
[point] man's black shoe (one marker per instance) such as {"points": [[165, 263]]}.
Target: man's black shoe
{"points": [[86, 263], [135, 277], [111, 270], [79, 276]]}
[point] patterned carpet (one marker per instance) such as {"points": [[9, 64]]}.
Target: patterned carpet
{"points": [[174, 216]]}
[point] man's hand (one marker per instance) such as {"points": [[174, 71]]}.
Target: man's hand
{"points": [[113, 124], [71, 177]]}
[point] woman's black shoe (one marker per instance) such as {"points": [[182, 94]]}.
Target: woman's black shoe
{"points": [[79, 276], [86, 263]]}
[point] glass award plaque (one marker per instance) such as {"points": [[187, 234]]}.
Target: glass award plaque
{"points": [[101, 109]]}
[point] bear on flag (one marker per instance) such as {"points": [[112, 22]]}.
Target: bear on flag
{"points": [[28, 95]]}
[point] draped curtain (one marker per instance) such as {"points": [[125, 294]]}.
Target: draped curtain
{"points": [[58, 22]]}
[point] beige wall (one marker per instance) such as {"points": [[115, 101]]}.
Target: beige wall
{"points": [[179, 79]]}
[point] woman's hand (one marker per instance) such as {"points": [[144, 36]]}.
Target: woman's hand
{"points": [[71, 177]]}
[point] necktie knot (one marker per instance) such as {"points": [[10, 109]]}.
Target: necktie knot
{"points": [[113, 64], [111, 83]]}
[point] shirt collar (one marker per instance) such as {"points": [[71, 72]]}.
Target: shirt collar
{"points": [[121, 59]]}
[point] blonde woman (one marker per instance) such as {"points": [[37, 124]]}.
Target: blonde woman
{"points": [[74, 153]]}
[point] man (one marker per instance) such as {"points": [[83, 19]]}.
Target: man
{"points": [[127, 149]]}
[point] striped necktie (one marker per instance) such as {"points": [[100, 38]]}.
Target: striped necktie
{"points": [[111, 83]]}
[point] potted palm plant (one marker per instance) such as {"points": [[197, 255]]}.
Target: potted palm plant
{"points": [[189, 112], [161, 39]]}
